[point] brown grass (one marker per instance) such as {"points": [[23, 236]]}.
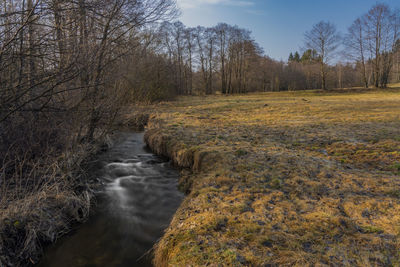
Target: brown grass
{"points": [[44, 189], [288, 179]]}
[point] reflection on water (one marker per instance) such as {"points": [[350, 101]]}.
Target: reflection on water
{"points": [[137, 204]]}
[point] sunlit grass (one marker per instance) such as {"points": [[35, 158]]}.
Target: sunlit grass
{"points": [[288, 178]]}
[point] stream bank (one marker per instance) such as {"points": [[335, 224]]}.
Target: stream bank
{"points": [[139, 198]]}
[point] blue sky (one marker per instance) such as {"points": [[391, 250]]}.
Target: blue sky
{"points": [[277, 25]]}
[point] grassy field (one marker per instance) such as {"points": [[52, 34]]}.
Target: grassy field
{"points": [[293, 178]]}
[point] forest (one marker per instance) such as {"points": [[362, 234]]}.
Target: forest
{"points": [[69, 69]]}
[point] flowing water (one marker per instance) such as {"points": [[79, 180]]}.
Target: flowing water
{"points": [[136, 205]]}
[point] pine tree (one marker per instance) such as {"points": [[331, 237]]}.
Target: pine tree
{"points": [[291, 58], [309, 56], [296, 57]]}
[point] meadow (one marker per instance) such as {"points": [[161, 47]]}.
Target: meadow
{"points": [[306, 178]]}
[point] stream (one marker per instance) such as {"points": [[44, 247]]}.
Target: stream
{"points": [[137, 203]]}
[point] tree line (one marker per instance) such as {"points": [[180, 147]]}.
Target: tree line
{"points": [[373, 41], [204, 59], [227, 59], [370, 49], [371, 45]]}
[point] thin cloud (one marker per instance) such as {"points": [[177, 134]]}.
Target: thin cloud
{"points": [[187, 4]]}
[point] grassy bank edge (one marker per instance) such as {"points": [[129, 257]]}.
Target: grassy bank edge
{"points": [[190, 160]]}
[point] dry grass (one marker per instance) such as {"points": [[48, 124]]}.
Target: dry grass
{"points": [[43, 189], [288, 179]]}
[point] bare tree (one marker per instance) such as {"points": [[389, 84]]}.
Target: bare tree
{"points": [[210, 38], [382, 32], [223, 35], [324, 39], [189, 36], [356, 43], [203, 57]]}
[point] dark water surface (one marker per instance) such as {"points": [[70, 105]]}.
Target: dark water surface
{"points": [[136, 205]]}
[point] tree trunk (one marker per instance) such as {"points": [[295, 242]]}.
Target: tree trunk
{"points": [[210, 69], [323, 75], [31, 41], [59, 33], [21, 47]]}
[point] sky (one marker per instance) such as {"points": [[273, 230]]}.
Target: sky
{"points": [[277, 25]]}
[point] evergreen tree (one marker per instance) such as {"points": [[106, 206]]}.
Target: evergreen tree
{"points": [[309, 56], [296, 57], [291, 58]]}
